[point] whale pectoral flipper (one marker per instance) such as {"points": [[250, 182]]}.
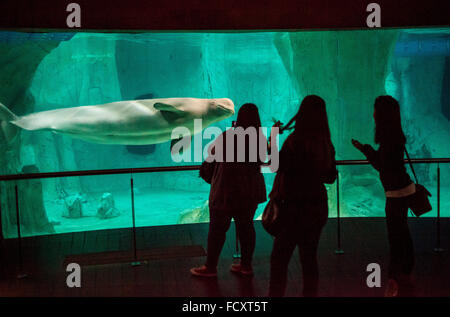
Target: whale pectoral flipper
{"points": [[166, 107], [169, 112]]}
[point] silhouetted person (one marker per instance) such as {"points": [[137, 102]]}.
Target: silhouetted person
{"points": [[236, 190], [307, 161], [388, 161]]}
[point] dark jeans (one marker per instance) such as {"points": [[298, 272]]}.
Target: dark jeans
{"points": [[303, 230], [220, 220], [400, 242]]}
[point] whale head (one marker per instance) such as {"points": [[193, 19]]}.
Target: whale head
{"points": [[219, 109], [180, 111]]}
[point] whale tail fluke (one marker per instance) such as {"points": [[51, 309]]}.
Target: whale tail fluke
{"points": [[7, 129]]}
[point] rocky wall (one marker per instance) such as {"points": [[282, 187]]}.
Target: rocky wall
{"points": [[20, 56]]}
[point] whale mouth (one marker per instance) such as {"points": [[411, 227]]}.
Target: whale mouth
{"points": [[226, 109]]}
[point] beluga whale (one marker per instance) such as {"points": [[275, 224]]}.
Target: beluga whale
{"points": [[133, 122]]}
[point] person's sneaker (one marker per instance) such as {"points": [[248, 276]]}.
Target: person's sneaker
{"points": [[203, 271], [391, 289], [239, 269], [406, 286]]}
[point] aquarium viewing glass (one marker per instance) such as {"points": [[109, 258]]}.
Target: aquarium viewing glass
{"points": [[274, 70]]}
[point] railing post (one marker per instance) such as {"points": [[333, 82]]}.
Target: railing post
{"points": [[19, 237], [338, 219], [135, 262], [438, 219]]}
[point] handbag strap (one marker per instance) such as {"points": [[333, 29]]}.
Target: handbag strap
{"points": [[410, 165], [288, 126]]}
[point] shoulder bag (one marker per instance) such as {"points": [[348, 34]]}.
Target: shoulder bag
{"points": [[419, 202]]}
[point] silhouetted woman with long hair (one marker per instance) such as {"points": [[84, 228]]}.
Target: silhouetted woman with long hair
{"points": [[307, 161], [237, 187], [398, 186]]}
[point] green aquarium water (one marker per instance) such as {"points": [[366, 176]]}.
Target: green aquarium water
{"points": [[274, 70]]}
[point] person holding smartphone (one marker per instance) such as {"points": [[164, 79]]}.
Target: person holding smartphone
{"points": [[307, 161], [398, 186], [237, 187]]}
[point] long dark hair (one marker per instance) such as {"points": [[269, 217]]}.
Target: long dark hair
{"points": [[248, 116], [312, 132], [311, 120], [388, 123]]}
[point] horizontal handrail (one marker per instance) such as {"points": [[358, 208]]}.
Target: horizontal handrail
{"points": [[420, 161], [13, 177]]}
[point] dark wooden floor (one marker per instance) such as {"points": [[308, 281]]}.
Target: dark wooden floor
{"points": [[363, 240]]}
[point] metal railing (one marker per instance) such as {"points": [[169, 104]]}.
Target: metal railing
{"points": [[339, 250], [22, 176]]}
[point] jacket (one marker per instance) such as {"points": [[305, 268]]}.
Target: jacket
{"points": [[388, 161], [237, 184], [304, 168]]}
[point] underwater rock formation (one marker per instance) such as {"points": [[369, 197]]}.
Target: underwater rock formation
{"points": [[107, 208], [156, 64], [33, 215], [80, 71], [347, 69], [199, 214], [73, 206], [19, 58], [425, 125]]}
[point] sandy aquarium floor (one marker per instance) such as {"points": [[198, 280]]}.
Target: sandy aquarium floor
{"points": [[153, 207], [158, 207]]}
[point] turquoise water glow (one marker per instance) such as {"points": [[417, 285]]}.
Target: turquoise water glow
{"points": [[274, 70]]}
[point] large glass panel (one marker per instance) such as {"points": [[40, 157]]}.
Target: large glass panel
{"points": [[362, 194], [445, 190], [169, 198], [55, 205], [427, 176], [275, 70]]}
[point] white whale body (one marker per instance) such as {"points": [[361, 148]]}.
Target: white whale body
{"points": [[134, 122]]}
